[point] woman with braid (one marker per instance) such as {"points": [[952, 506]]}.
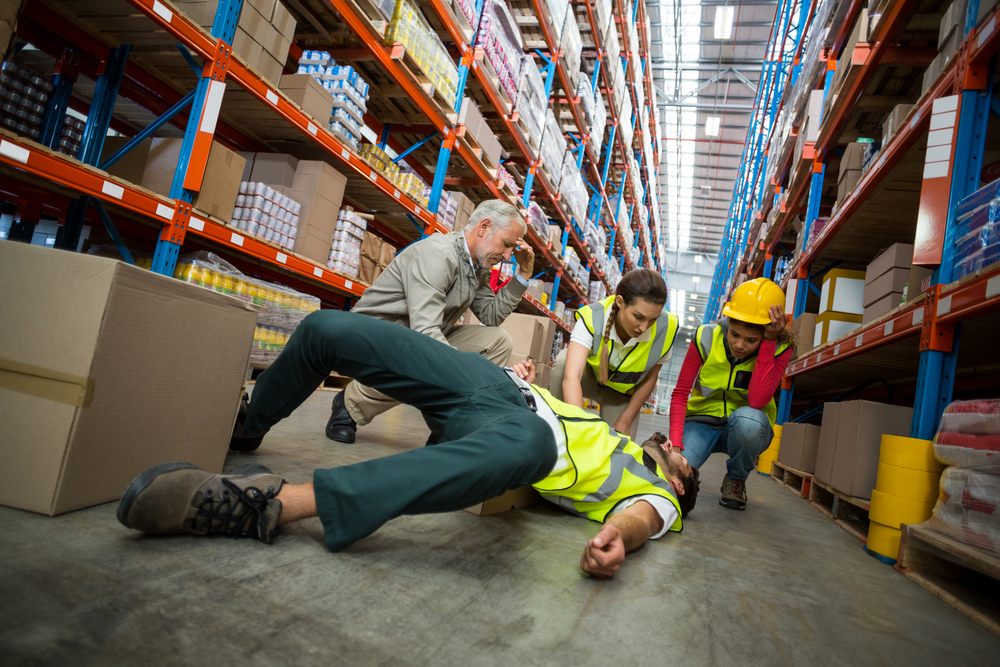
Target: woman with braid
{"points": [[616, 350]]}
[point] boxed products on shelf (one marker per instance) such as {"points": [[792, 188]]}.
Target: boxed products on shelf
{"points": [[375, 256], [597, 291], [885, 279], [804, 327], [345, 252], [409, 28], [556, 236], [307, 91], [263, 212], [894, 121], [501, 41], [572, 48], [274, 169], [799, 445], [319, 188], [977, 231], [111, 394], [850, 439], [467, 8], [600, 122], [840, 305], [220, 186], [465, 207], [572, 189], [531, 101], [553, 148], [23, 97], [507, 179]]}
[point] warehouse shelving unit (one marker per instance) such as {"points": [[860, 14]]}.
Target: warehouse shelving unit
{"points": [[162, 84], [914, 348]]}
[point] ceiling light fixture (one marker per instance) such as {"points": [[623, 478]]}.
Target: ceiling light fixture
{"points": [[697, 259], [712, 126], [724, 22]]}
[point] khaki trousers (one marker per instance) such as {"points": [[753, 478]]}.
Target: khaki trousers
{"points": [[493, 343], [613, 403]]}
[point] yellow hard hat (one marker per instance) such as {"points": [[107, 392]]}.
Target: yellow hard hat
{"points": [[752, 300]]}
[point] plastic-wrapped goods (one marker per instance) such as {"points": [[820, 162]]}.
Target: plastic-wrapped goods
{"points": [[409, 28], [602, 12], [505, 176], [467, 8], [531, 101], [586, 95], [447, 210], [594, 239], [267, 214], [500, 38], [977, 234], [572, 48], [597, 291], [345, 251], [557, 11], [553, 147], [572, 189], [600, 122]]}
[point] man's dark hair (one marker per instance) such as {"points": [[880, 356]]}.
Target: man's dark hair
{"points": [[691, 485]]}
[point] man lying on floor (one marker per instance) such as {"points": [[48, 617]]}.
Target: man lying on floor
{"points": [[495, 432]]}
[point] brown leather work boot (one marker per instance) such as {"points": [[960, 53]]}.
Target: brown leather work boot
{"points": [[734, 493], [183, 498]]}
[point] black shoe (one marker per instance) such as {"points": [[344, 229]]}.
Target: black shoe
{"points": [[240, 442], [341, 428]]}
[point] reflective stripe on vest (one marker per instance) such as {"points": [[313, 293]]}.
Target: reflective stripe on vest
{"points": [[605, 467], [640, 359], [714, 393]]}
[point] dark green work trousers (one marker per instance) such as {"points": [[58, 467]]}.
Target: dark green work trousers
{"points": [[489, 441]]}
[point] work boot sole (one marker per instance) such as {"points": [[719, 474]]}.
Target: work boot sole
{"points": [[140, 483], [733, 504]]}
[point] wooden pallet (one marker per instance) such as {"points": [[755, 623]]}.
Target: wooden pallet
{"points": [[849, 513], [798, 482], [966, 578]]}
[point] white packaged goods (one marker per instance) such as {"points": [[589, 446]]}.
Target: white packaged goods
{"points": [[348, 89], [600, 122], [572, 48], [586, 95], [537, 219], [262, 212], [345, 252], [557, 11], [594, 239], [572, 189], [602, 10], [553, 147], [531, 100], [501, 40], [447, 210], [409, 28]]}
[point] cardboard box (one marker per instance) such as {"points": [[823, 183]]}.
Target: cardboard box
{"points": [[848, 182], [252, 22], [371, 247], [284, 22], [270, 69], [248, 167], [275, 169], [109, 370], [953, 21], [130, 166], [264, 7], [853, 160], [917, 283], [881, 307], [387, 254], [827, 442], [318, 214], [861, 425], [893, 280], [843, 292], [470, 117], [247, 48], [799, 445], [313, 244], [220, 186], [804, 327], [555, 236], [530, 334], [309, 94], [317, 176], [896, 256], [832, 325], [274, 43], [894, 121], [509, 500], [368, 271]]}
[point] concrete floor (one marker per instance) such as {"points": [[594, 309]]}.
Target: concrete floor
{"points": [[779, 584]]}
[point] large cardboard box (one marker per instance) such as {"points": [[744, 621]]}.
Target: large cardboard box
{"points": [[555, 236], [283, 22], [371, 247], [386, 254], [275, 169], [804, 328], [220, 186], [247, 48], [799, 446], [368, 270], [893, 280], [522, 497], [270, 69], [853, 160], [953, 21], [881, 307], [130, 166], [843, 292], [848, 183], [319, 188], [859, 438], [896, 256], [309, 94], [894, 121], [313, 244], [107, 370], [532, 335], [832, 325], [827, 442]]}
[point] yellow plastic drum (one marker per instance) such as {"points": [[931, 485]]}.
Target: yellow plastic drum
{"points": [[765, 461], [908, 483], [893, 510], [909, 453], [883, 540]]}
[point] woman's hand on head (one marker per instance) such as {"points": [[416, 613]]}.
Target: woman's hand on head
{"points": [[779, 320]]}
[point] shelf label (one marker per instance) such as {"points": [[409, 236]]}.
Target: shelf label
{"points": [[113, 190], [918, 317], [197, 224], [282, 258], [836, 350], [161, 10], [348, 284], [346, 154], [237, 239], [395, 193], [318, 272], [938, 153], [940, 137], [987, 30], [213, 102], [944, 306], [888, 327], [271, 96], [312, 129], [936, 169], [373, 175], [943, 120], [14, 152], [165, 212], [993, 287], [859, 340]]}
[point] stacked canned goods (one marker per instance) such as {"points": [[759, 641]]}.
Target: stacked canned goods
{"points": [[345, 252], [23, 97], [261, 211]]}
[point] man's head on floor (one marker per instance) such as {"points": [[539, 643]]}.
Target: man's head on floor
{"points": [[683, 477], [493, 232]]}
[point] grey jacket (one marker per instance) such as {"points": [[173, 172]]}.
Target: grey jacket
{"points": [[431, 284]]}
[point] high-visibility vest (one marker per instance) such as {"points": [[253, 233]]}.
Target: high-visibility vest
{"points": [[605, 467], [640, 359], [722, 386]]}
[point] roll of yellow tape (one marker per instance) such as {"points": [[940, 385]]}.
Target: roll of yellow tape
{"points": [[893, 510], [908, 483], [883, 540], [909, 453]]}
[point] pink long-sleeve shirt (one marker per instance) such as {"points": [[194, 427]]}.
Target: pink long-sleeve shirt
{"points": [[765, 380]]}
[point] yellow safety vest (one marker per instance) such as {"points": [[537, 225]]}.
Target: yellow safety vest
{"points": [[722, 386], [640, 359], [606, 467]]}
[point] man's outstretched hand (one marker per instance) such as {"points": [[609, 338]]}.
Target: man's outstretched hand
{"points": [[604, 554], [525, 370]]}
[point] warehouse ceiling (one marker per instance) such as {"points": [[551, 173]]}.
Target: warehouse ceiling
{"points": [[706, 59]]}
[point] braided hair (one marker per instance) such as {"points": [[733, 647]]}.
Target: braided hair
{"points": [[639, 284]]}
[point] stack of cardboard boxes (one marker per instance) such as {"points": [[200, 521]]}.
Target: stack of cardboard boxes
{"points": [[532, 336], [859, 35], [850, 170], [478, 132], [464, 210], [219, 188], [950, 35], [894, 121], [840, 305], [309, 94], [375, 256], [263, 36], [885, 280], [809, 132], [799, 446]]}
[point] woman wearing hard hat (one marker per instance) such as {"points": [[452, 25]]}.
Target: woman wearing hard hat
{"points": [[616, 350], [724, 398]]}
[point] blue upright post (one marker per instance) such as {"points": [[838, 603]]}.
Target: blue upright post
{"points": [[55, 110], [607, 156]]}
